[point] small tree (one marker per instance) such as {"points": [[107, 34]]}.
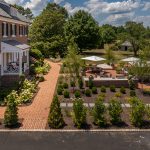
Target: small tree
{"points": [[73, 60], [115, 111], [11, 113], [110, 56], [90, 83], [98, 113], [80, 82], [55, 119], [79, 113], [138, 111]]}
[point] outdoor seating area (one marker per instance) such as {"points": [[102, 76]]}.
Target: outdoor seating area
{"points": [[104, 74]]}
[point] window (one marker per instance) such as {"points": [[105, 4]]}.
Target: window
{"points": [[3, 29], [7, 29], [15, 29], [20, 30], [26, 30], [11, 29]]}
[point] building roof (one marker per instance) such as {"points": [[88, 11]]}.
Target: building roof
{"points": [[9, 11], [17, 44], [4, 14], [126, 43]]}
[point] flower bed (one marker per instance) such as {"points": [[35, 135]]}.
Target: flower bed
{"points": [[26, 92]]}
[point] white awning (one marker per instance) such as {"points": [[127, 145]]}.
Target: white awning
{"points": [[131, 59], [104, 66], [94, 58]]}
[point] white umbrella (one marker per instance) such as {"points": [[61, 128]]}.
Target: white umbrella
{"points": [[104, 66], [131, 59], [94, 58]]}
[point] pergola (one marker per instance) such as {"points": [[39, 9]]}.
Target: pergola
{"points": [[14, 58]]}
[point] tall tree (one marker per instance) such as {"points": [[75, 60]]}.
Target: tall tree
{"points": [[24, 11], [84, 29], [47, 31], [135, 32], [107, 33], [145, 53]]}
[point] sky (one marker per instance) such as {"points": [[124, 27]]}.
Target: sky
{"points": [[115, 12]]}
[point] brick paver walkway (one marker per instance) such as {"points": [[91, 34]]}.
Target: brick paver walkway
{"points": [[35, 116]]}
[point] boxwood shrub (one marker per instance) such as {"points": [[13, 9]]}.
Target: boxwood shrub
{"points": [[72, 84], [65, 86], [88, 92], [112, 88], [66, 94], [77, 94], [60, 91], [94, 90], [132, 93], [103, 89], [123, 90]]}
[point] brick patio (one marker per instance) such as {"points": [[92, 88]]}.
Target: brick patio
{"points": [[35, 116]]}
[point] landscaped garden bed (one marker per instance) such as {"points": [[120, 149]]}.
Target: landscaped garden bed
{"points": [[26, 89], [79, 116], [112, 116], [26, 92], [64, 87], [125, 124]]}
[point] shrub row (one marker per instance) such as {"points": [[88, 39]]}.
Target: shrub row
{"points": [[137, 113]]}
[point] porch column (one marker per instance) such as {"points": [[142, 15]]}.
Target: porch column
{"points": [[15, 56], [20, 63], [4, 61], [2, 66], [27, 53]]}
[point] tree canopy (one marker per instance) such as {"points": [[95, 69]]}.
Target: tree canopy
{"points": [[24, 11], [83, 29], [135, 32], [52, 31], [107, 33], [47, 31]]}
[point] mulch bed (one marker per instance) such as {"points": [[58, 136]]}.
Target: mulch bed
{"points": [[108, 96], [126, 124]]}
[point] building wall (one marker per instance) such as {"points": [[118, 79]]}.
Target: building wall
{"points": [[19, 38], [10, 80]]}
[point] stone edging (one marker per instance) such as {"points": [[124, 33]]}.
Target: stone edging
{"points": [[77, 130]]}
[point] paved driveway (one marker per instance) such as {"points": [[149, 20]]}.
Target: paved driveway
{"points": [[74, 141]]}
